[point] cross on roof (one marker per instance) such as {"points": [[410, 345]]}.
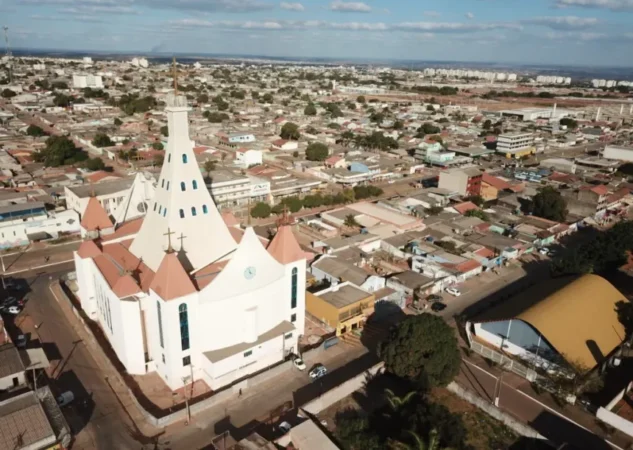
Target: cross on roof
{"points": [[284, 219], [170, 249], [182, 238]]}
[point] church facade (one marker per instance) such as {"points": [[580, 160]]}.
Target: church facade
{"points": [[182, 292]]}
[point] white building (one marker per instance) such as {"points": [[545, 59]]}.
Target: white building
{"points": [[247, 158], [180, 293], [515, 144], [618, 152], [89, 80], [23, 223]]}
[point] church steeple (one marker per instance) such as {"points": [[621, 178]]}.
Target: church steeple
{"points": [[182, 204]]}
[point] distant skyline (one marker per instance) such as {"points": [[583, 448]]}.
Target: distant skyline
{"points": [[578, 32]]}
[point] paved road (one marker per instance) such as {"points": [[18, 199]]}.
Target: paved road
{"points": [[38, 255]]}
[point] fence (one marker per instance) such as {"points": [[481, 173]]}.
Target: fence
{"points": [[504, 361]]}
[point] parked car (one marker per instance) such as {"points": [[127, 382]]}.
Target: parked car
{"points": [[453, 291], [65, 398], [318, 371], [9, 301], [434, 298], [438, 306], [299, 364], [543, 251], [15, 310], [285, 427], [20, 341]]}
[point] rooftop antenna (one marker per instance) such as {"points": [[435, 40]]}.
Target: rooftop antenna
{"points": [[8, 54]]}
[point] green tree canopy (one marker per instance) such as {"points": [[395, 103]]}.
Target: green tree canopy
{"points": [[102, 140], [95, 164], [35, 131], [203, 98], [118, 122], [422, 349], [290, 131], [209, 165], [317, 151], [549, 204], [60, 150], [310, 110], [217, 117], [158, 146], [261, 210], [361, 99], [487, 124], [569, 123], [164, 130], [267, 98], [62, 100], [7, 93]]}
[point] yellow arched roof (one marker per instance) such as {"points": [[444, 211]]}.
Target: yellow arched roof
{"points": [[579, 320]]}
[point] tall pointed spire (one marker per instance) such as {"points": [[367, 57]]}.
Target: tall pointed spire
{"points": [[182, 204]]}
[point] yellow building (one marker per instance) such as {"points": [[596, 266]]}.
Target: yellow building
{"points": [[344, 307]]}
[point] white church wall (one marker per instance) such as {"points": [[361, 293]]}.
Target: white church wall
{"points": [[132, 336], [85, 277]]}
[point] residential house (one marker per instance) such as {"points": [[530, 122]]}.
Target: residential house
{"points": [[465, 182], [344, 307]]}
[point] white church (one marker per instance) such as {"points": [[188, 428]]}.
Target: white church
{"points": [[180, 291]]}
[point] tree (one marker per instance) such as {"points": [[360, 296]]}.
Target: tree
{"points": [[102, 140], [95, 164], [35, 131], [62, 100], [267, 98], [60, 85], [209, 165], [217, 117], [60, 150], [7, 93], [569, 123], [295, 154], [360, 99], [118, 122], [157, 146], [317, 151], [159, 159], [549, 204], [434, 210], [294, 203], [418, 443], [350, 221], [487, 124], [310, 110], [202, 98], [477, 213], [164, 130], [422, 349], [261, 210], [290, 131], [476, 199]]}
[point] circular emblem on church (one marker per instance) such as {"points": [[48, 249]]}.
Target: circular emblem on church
{"points": [[249, 273]]}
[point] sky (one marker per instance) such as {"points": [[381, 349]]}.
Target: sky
{"points": [[562, 32]]}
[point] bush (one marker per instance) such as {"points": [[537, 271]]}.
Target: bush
{"points": [[261, 210], [102, 140], [310, 110], [290, 131], [95, 164], [35, 131]]}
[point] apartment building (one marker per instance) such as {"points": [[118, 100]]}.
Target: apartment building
{"points": [[516, 145], [463, 181]]}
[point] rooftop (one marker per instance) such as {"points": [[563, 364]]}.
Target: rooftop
{"points": [[23, 424], [103, 188], [343, 295]]}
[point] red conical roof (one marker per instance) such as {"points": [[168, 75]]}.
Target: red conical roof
{"points": [[284, 246], [95, 217], [171, 280]]}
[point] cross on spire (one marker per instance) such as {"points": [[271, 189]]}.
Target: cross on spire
{"points": [[182, 238], [170, 249], [284, 219]]}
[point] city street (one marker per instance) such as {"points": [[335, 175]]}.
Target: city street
{"points": [[37, 255]]}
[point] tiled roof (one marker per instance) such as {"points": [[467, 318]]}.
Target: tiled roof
{"points": [[284, 246], [128, 228], [464, 207], [95, 217], [171, 280], [495, 182], [88, 249]]}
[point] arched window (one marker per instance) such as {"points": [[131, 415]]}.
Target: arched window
{"points": [[204, 209], [162, 184], [182, 213], [193, 210], [293, 291], [164, 212], [195, 184], [184, 326], [169, 158], [184, 158], [155, 205], [160, 209], [183, 187], [160, 324], [168, 185]]}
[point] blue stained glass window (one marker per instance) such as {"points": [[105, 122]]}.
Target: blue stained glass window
{"points": [[184, 326]]}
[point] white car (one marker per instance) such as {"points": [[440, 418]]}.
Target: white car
{"points": [[543, 251], [20, 342], [453, 291], [318, 371], [13, 310], [285, 427], [299, 364], [65, 398]]}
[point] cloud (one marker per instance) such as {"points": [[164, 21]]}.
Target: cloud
{"points": [[470, 15], [292, 6], [563, 22], [431, 14], [453, 27], [98, 9], [76, 18], [227, 6], [614, 5], [340, 6], [576, 36]]}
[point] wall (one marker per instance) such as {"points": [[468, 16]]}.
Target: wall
{"points": [[7, 382], [321, 309], [338, 393], [494, 412], [615, 421]]}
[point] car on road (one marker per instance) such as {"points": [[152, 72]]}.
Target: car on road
{"points": [[318, 371], [299, 364], [453, 291], [434, 298], [285, 427], [544, 251], [438, 306], [65, 398], [20, 341], [15, 310]]}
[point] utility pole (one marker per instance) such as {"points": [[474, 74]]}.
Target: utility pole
{"points": [[184, 385]]}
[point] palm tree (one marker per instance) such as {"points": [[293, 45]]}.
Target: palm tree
{"points": [[433, 442], [396, 404], [350, 221]]}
